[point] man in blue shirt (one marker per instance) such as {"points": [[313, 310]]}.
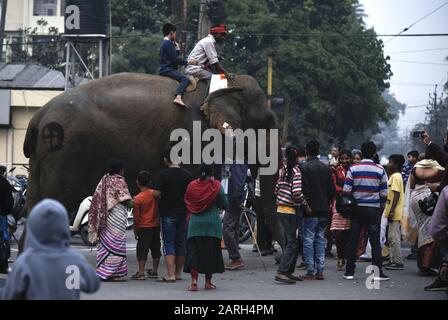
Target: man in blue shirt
{"points": [[231, 224], [170, 60]]}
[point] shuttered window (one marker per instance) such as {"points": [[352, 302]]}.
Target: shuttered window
{"points": [[45, 7]]}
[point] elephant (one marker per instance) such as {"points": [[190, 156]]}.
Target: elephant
{"points": [[130, 116]]}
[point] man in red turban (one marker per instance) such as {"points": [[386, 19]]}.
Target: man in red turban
{"points": [[205, 53]]}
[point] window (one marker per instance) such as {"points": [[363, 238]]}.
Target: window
{"points": [[45, 7]]}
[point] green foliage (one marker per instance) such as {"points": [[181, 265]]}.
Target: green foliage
{"points": [[46, 50], [137, 34], [327, 65]]}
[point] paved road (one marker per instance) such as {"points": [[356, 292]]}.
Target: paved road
{"points": [[257, 283]]}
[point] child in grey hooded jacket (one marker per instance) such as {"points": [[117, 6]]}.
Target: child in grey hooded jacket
{"points": [[49, 269]]}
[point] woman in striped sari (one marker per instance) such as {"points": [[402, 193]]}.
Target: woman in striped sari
{"points": [[425, 173], [107, 223]]}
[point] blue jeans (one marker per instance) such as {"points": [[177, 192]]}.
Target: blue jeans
{"points": [[174, 232], [5, 251], [184, 81], [314, 243]]}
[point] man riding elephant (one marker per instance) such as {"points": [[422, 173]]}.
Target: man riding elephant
{"points": [[205, 53]]}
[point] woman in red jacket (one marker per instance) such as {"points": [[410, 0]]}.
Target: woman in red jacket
{"points": [[340, 225]]}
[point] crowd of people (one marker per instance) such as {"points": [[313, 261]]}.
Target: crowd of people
{"points": [[399, 201], [179, 217]]}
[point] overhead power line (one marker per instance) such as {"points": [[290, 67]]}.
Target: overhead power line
{"points": [[413, 84], [414, 23], [312, 34], [420, 62], [419, 106], [414, 51]]}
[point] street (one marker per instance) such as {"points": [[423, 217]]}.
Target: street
{"points": [[256, 283]]}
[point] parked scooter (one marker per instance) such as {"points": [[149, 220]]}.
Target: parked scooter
{"points": [[79, 221]]}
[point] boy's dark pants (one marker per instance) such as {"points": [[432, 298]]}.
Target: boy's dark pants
{"points": [[289, 252], [176, 75], [148, 238], [372, 217]]}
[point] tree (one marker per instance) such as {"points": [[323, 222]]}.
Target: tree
{"points": [[136, 31], [31, 47], [326, 64]]}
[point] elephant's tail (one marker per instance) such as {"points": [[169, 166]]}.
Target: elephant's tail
{"points": [[32, 133], [30, 151]]}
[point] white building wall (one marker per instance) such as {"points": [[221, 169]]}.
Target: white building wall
{"points": [[19, 15], [24, 104]]}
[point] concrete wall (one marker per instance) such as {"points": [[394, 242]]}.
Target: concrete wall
{"points": [[14, 15], [24, 104]]}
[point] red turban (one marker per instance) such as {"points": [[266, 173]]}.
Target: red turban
{"points": [[222, 28]]}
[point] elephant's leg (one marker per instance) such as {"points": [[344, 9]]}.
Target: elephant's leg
{"points": [[267, 185]]}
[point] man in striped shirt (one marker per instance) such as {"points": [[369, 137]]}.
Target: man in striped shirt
{"points": [[367, 183]]}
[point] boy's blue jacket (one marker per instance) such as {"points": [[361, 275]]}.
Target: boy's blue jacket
{"points": [[169, 57]]}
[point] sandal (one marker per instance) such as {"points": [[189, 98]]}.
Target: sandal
{"points": [[193, 287], [284, 279], [163, 279], [151, 274], [117, 279], [138, 276], [210, 286], [294, 277]]}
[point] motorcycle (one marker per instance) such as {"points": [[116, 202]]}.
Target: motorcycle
{"points": [[19, 196], [79, 221]]}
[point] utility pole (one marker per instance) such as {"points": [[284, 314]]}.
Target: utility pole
{"points": [[286, 119], [433, 112], [435, 106], [270, 81], [179, 8], [3, 6], [204, 20]]}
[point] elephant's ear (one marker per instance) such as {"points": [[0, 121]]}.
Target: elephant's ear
{"points": [[217, 94], [221, 92]]}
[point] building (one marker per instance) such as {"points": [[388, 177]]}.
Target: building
{"points": [[21, 14], [36, 16], [24, 88]]}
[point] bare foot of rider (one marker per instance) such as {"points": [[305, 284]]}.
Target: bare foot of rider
{"points": [[179, 101]]}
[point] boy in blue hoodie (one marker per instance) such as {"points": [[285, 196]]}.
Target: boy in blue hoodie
{"points": [[49, 269], [170, 60]]}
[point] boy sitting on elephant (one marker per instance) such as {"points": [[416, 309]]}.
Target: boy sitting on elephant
{"points": [[170, 60]]}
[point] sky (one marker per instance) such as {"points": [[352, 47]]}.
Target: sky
{"points": [[412, 82]]}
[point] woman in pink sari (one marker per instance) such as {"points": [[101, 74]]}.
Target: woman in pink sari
{"points": [[107, 223]]}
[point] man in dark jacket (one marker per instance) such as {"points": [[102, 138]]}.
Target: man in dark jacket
{"points": [[6, 205], [318, 189], [231, 223]]}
